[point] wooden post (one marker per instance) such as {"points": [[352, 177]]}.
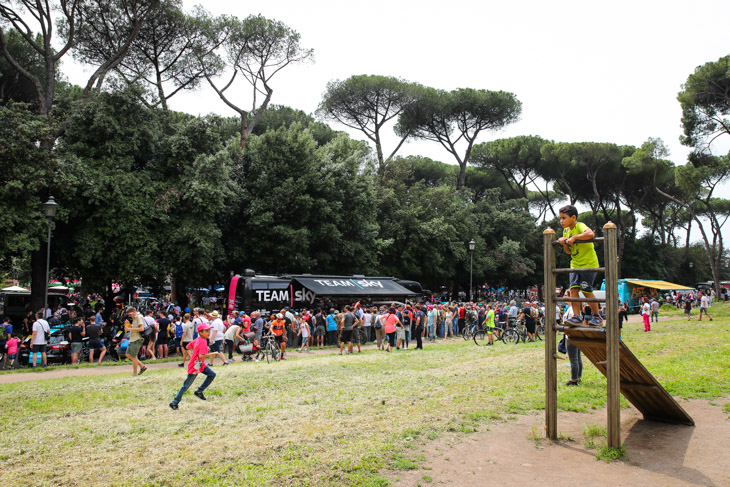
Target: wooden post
{"points": [[551, 365], [613, 366]]}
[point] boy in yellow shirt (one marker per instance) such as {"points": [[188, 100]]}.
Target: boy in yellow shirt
{"points": [[582, 256]]}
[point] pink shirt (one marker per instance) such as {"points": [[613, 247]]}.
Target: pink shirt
{"points": [[390, 321], [12, 345], [199, 346]]}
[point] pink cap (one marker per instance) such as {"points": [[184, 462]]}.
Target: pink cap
{"points": [[203, 326]]}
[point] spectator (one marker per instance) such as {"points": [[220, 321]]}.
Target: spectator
{"points": [[654, 310], [11, 347], [390, 322], [420, 322], [688, 309], [150, 335], [6, 331], [217, 336], [163, 323], [136, 340], [304, 333], [187, 338], [645, 312], [38, 339], [349, 320], [704, 306], [230, 337], [331, 327], [93, 331]]}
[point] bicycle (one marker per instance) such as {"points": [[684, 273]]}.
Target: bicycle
{"points": [[269, 349]]}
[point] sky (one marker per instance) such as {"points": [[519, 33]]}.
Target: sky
{"points": [[584, 71]]}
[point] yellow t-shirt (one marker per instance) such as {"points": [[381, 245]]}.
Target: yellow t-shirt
{"points": [[582, 255]]}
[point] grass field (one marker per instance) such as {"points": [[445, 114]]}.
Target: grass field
{"points": [[317, 420]]}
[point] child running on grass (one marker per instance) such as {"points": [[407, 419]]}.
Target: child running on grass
{"points": [[197, 365], [582, 256]]}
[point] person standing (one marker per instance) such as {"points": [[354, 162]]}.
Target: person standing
{"points": [[380, 335], [582, 256], [230, 336], [432, 318], [367, 324], [390, 323], [349, 321], [654, 310], [304, 333], [704, 306], [38, 340], [489, 324], [136, 329], [462, 319], [331, 328], [188, 332], [197, 366], [645, 312], [150, 335], [448, 322], [163, 338], [217, 337], [420, 321], [278, 330], [93, 331]]}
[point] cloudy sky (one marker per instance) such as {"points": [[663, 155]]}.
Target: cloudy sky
{"points": [[584, 70]]}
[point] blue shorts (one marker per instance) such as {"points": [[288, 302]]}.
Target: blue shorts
{"points": [[582, 280], [96, 345]]}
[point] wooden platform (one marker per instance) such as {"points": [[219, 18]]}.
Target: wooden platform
{"points": [[637, 385]]}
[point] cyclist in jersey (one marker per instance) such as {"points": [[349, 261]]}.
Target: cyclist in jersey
{"points": [[278, 329]]}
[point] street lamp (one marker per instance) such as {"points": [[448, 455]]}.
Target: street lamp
{"points": [[50, 206], [472, 244]]}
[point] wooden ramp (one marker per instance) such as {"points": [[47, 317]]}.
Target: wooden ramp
{"points": [[637, 385]]}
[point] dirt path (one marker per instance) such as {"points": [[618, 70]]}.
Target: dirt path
{"points": [[658, 454]]}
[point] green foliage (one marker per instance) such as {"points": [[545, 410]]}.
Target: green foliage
{"points": [[278, 116], [704, 101], [366, 103], [462, 114], [26, 170]]}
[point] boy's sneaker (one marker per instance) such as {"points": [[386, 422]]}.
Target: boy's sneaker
{"points": [[200, 395], [574, 320], [571, 383], [174, 406], [181, 365], [596, 321]]}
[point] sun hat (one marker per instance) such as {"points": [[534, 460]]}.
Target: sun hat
{"points": [[203, 326], [215, 314]]}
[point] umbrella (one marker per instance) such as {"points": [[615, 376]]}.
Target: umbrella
{"points": [[14, 289]]}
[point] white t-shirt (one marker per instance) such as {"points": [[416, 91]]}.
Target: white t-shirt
{"points": [[367, 319], [230, 333], [39, 327], [149, 321], [305, 329], [704, 302], [188, 330], [645, 309], [220, 330]]}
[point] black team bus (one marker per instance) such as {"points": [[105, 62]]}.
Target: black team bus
{"points": [[250, 292]]}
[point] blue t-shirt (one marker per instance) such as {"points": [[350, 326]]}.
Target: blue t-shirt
{"points": [[8, 332], [99, 320], [331, 323]]}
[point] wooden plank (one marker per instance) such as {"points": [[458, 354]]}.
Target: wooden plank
{"points": [[551, 364], [613, 365], [638, 386]]}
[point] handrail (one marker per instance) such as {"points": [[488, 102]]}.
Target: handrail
{"points": [[593, 240], [570, 270], [568, 299]]}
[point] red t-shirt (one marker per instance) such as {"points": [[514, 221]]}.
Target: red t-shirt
{"points": [[199, 346], [462, 313], [390, 321]]}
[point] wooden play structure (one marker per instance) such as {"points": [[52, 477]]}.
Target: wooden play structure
{"points": [[602, 346]]}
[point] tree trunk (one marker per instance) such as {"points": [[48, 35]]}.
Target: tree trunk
{"points": [[244, 123], [462, 176], [38, 282]]}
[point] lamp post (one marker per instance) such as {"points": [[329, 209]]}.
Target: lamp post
{"points": [[472, 244], [50, 206]]}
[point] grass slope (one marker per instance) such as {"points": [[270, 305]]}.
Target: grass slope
{"points": [[318, 420]]}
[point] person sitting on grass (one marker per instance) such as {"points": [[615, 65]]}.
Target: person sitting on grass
{"points": [[582, 256], [197, 365]]}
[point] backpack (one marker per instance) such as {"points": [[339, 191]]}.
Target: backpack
{"points": [[533, 313], [3, 333]]}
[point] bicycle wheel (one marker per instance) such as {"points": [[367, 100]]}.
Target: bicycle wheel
{"points": [[276, 354], [269, 351], [511, 336], [480, 337], [467, 333]]}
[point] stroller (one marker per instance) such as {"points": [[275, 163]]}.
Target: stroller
{"points": [[247, 348]]}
